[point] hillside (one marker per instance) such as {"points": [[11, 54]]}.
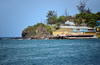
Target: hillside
{"points": [[38, 31]]}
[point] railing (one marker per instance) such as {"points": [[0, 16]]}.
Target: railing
{"points": [[76, 27]]}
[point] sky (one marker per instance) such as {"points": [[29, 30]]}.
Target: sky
{"points": [[16, 15]]}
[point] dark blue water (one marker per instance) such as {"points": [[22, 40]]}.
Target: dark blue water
{"points": [[50, 52]]}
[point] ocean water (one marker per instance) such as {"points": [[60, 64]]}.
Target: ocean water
{"points": [[50, 52]]}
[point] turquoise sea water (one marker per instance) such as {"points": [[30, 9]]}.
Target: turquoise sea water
{"points": [[50, 52]]}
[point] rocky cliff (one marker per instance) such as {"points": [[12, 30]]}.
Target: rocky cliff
{"points": [[37, 31]]}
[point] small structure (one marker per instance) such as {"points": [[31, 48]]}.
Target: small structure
{"points": [[69, 23], [83, 24]]}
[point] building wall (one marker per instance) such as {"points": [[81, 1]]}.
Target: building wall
{"points": [[60, 33], [84, 30], [80, 27], [74, 31]]}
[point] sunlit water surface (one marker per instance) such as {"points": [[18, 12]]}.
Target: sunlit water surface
{"points": [[50, 52]]}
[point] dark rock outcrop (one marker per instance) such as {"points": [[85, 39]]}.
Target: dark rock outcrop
{"points": [[39, 31]]}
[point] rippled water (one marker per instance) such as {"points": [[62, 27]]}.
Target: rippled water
{"points": [[50, 52]]}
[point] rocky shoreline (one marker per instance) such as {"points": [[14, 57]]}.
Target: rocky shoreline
{"points": [[55, 37], [38, 38]]}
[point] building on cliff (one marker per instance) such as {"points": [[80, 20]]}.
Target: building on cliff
{"points": [[72, 30]]}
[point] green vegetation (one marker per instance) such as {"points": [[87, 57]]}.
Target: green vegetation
{"points": [[38, 30], [85, 15], [61, 19], [89, 18], [41, 29], [51, 17]]}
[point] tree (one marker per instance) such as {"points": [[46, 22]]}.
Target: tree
{"points": [[52, 20], [82, 15], [57, 26], [90, 16], [98, 15], [51, 17], [78, 21], [92, 23], [71, 18], [61, 19], [88, 11], [82, 6]]}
